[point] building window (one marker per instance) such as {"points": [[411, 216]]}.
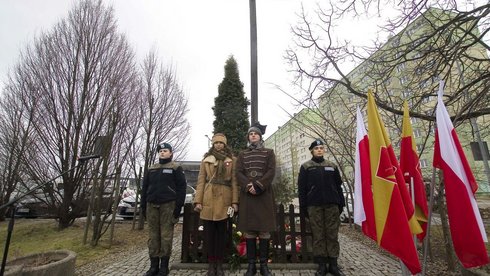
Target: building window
{"points": [[423, 163], [395, 42], [417, 133], [413, 120], [403, 80], [406, 93], [401, 67], [426, 99], [410, 32], [420, 148]]}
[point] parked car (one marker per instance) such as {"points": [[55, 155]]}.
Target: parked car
{"points": [[34, 206], [31, 207], [189, 194], [126, 206]]}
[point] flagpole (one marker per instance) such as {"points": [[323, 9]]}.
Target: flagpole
{"points": [[412, 194], [429, 220], [403, 267]]}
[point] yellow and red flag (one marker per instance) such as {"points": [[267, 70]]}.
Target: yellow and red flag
{"points": [[410, 167], [391, 211]]}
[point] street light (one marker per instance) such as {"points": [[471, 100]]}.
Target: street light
{"points": [[253, 63], [209, 140]]}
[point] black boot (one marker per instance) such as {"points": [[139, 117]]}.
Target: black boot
{"points": [[219, 268], [264, 257], [154, 261], [211, 268], [251, 256], [163, 266], [322, 270], [333, 267], [322, 265]]}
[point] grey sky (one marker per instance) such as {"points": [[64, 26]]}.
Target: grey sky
{"points": [[194, 36]]}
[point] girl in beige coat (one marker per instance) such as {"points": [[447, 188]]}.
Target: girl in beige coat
{"points": [[216, 192]]}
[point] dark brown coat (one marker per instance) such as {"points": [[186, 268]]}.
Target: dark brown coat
{"points": [[257, 212]]}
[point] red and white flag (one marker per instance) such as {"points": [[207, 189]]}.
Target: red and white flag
{"points": [[465, 222], [363, 194]]}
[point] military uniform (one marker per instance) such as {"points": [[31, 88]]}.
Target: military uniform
{"points": [[321, 199], [162, 198]]}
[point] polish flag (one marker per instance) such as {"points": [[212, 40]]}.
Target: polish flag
{"points": [[465, 222], [363, 195]]}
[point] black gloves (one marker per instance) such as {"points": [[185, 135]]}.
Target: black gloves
{"points": [[257, 188], [177, 212]]}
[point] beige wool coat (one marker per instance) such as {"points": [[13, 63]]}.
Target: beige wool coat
{"points": [[216, 198]]}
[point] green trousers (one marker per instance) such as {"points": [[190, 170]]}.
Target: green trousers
{"points": [[325, 223], [161, 228]]}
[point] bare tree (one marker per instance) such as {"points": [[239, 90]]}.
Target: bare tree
{"points": [[15, 146], [163, 108], [420, 43], [442, 42], [77, 77]]}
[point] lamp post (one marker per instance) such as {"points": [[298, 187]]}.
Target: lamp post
{"points": [[209, 140], [253, 61]]}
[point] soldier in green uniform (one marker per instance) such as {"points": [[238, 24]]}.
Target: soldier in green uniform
{"points": [[255, 171], [162, 198], [321, 199]]}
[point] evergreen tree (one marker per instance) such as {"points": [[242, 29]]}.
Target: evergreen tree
{"points": [[230, 108]]}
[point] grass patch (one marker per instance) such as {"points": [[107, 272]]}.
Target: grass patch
{"points": [[40, 235]]}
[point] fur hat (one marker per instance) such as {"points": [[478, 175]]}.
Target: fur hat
{"points": [[164, 146], [219, 137], [315, 143], [257, 127]]}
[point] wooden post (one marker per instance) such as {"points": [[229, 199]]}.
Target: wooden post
{"points": [[292, 232], [281, 234], [141, 218], [114, 204], [89, 208]]}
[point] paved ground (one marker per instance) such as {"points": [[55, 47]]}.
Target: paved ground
{"points": [[355, 259]]}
